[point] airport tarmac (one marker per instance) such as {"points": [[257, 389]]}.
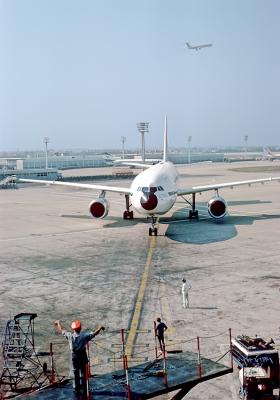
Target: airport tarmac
{"points": [[58, 262]]}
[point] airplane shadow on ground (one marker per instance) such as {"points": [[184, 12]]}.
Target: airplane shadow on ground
{"points": [[119, 222], [181, 229], [206, 230]]}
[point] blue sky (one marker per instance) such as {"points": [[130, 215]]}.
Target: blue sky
{"points": [[85, 72]]}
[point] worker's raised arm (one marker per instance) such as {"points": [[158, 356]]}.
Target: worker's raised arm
{"points": [[59, 328], [98, 330]]}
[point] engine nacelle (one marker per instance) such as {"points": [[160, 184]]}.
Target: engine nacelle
{"points": [[99, 208], [217, 207]]}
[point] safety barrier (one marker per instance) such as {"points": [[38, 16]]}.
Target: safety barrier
{"points": [[196, 345]]}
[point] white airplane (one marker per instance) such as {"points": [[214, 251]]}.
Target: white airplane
{"points": [[199, 47], [269, 155], [154, 191]]}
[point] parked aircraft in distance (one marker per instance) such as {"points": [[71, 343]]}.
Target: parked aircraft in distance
{"points": [[154, 191], [199, 47], [269, 155]]}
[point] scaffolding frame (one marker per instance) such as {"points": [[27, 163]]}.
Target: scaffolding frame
{"points": [[21, 362]]}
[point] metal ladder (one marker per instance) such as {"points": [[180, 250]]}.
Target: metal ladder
{"points": [[20, 359]]}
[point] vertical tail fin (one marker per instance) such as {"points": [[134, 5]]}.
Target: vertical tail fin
{"points": [[165, 140], [267, 151]]}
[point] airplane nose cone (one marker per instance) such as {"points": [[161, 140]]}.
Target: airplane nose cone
{"points": [[149, 202]]}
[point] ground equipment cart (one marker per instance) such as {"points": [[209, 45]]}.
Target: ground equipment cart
{"points": [[258, 363]]}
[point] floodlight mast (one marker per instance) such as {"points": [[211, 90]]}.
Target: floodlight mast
{"points": [[189, 150], [123, 139], [46, 141], [143, 127], [245, 148]]}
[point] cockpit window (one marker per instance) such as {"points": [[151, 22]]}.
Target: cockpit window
{"points": [[147, 189], [160, 188]]}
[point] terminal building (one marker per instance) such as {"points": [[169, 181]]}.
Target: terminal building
{"points": [[35, 167]]}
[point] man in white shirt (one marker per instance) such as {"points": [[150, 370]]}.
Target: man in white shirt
{"points": [[186, 286]]}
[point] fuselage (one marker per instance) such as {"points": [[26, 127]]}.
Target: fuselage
{"points": [[273, 156], [154, 191]]}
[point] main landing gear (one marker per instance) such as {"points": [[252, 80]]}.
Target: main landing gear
{"points": [[127, 214], [153, 230], [193, 213]]}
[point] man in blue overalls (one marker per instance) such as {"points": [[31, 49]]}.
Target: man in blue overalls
{"points": [[77, 341], [160, 328]]}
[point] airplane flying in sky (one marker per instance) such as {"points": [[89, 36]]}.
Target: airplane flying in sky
{"points": [[199, 47], [269, 155], [154, 191]]}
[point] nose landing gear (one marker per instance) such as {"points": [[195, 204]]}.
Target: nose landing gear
{"points": [[153, 230]]}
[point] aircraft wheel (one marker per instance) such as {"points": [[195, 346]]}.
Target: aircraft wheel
{"points": [[128, 214], [153, 231], [193, 214]]}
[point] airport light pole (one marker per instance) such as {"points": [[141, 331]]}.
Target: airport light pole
{"points": [[245, 148], [143, 127], [189, 152], [123, 139], [46, 141]]}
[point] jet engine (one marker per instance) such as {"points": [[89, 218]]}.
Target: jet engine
{"points": [[99, 208], [217, 207]]}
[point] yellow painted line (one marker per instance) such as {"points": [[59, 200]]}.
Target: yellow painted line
{"points": [[140, 298]]}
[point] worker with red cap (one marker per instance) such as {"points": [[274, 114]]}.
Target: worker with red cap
{"points": [[77, 342]]}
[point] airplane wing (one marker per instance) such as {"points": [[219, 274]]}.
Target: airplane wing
{"points": [[80, 185], [205, 188], [135, 164], [204, 45], [149, 162], [200, 46]]}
